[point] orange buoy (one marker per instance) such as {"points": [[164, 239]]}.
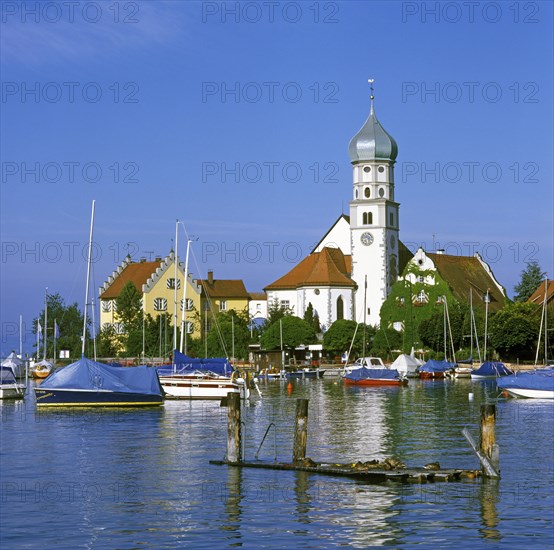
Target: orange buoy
{"points": [[289, 387]]}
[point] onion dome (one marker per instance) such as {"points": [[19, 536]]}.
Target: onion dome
{"points": [[372, 142]]}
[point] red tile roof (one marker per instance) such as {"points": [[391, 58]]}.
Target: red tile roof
{"points": [[463, 273], [137, 272], [257, 295], [538, 296], [224, 288], [330, 267]]}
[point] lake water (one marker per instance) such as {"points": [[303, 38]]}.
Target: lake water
{"points": [[142, 479]]}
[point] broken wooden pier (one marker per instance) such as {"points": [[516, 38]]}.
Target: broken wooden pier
{"points": [[388, 470]]}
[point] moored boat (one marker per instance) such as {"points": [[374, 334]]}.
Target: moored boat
{"points": [[9, 387], [16, 364], [86, 383], [192, 378], [490, 369], [364, 376], [435, 370], [407, 365], [304, 373], [42, 369], [536, 384]]}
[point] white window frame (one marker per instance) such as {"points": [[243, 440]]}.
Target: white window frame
{"points": [[160, 304]]}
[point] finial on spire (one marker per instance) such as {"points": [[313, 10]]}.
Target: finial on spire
{"points": [[371, 97]]}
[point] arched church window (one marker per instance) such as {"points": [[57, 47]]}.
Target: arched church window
{"points": [[367, 192], [381, 192], [356, 193], [367, 218], [340, 308]]}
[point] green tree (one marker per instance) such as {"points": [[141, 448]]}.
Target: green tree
{"points": [[107, 342], [296, 331], [129, 307], [277, 311], [514, 330], [69, 320], [220, 338], [386, 340], [312, 318], [431, 330], [338, 338], [531, 277]]}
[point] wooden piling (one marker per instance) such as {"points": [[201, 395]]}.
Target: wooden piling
{"points": [[234, 447], [300, 431], [487, 443]]}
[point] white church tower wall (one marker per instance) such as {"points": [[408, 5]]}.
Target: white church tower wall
{"points": [[374, 218]]}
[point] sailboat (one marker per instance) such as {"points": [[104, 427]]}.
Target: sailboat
{"points": [[43, 368], [190, 378], [434, 369], [464, 367], [87, 383], [370, 371], [539, 383], [489, 369], [9, 387]]}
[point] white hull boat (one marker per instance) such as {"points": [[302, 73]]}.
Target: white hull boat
{"points": [[201, 385]]}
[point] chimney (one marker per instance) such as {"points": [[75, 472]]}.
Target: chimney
{"points": [[210, 278], [440, 251], [142, 260], [159, 259]]}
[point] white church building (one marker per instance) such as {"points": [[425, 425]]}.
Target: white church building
{"points": [[350, 272]]}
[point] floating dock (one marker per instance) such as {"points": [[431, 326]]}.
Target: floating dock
{"points": [[388, 470]]}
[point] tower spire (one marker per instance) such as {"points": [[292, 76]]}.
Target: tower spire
{"points": [[371, 97]]}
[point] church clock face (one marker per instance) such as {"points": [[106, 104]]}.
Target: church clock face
{"points": [[366, 238]]}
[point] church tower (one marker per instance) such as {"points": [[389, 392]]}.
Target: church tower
{"points": [[373, 217]]}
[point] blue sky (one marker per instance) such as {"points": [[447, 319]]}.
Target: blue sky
{"points": [[149, 107]]}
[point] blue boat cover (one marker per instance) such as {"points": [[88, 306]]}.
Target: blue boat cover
{"points": [[363, 373], [492, 368], [184, 364], [86, 374], [6, 375], [436, 366], [539, 379]]}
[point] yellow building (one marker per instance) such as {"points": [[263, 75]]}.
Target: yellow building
{"points": [[156, 282], [220, 295]]}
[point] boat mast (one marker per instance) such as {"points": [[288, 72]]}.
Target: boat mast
{"points": [[545, 323], [184, 311], [176, 274], [471, 323], [487, 300], [444, 326], [543, 320], [365, 313], [20, 336], [281, 337], [45, 322], [88, 280], [450, 332]]}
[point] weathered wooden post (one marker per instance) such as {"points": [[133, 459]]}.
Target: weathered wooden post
{"points": [[488, 444], [300, 431], [234, 447]]}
